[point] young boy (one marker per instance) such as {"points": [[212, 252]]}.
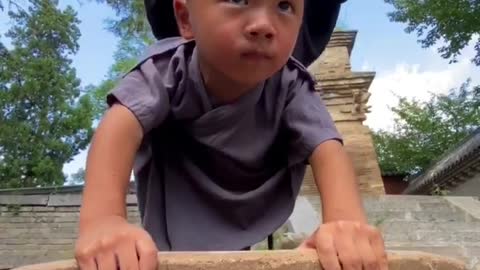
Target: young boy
{"points": [[219, 125]]}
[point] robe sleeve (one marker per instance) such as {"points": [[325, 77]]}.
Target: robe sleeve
{"points": [[306, 119], [142, 92]]}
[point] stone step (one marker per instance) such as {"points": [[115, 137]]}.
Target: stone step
{"points": [[405, 226], [422, 236], [417, 208], [426, 216]]}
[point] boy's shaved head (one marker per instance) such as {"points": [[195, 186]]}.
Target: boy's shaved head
{"points": [[241, 41]]}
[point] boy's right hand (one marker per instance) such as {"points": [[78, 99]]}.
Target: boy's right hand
{"points": [[112, 244]]}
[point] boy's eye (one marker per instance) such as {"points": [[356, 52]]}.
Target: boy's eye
{"points": [[238, 2], [286, 6]]}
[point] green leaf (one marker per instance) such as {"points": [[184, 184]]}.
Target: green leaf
{"points": [[455, 23]]}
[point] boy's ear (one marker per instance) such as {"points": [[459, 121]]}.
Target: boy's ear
{"points": [[183, 18]]}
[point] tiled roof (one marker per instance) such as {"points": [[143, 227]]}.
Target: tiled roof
{"points": [[447, 170]]}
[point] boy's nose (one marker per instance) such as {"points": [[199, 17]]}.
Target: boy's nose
{"points": [[260, 29]]}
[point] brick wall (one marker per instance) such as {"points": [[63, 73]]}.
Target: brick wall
{"points": [[41, 228]]}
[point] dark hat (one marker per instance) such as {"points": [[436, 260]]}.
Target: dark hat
{"points": [[161, 17], [319, 22]]}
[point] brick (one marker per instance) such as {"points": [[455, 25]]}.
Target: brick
{"points": [[67, 209], [20, 209], [49, 214], [15, 241], [132, 208], [276, 260], [68, 219], [52, 249], [62, 241], [43, 209], [131, 199]]}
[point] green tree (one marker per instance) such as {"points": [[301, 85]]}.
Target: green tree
{"points": [[132, 27], [423, 131], [456, 22], [131, 19], [44, 119], [126, 56]]}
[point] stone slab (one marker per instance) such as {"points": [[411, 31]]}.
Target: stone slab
{"points": [[23, 200], [468, 204], [65, 200], [270, 260]]}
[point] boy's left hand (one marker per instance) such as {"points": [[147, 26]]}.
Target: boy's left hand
{"points": [[348, 246]]}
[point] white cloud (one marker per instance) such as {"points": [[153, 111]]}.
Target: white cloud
{"points": [[78, 162], [417, 81]]}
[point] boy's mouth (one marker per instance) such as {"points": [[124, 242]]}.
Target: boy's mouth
{"points": [[256, 55]]}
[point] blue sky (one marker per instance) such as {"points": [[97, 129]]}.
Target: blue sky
{"points": [[401, 65]]}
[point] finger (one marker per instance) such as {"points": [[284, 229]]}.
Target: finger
{"points": [[346, 248], [127, 256], [304, 246], [365, 250], [307, 244], [86, 263], [85, 259], [327, 253], [106, 261], [147, 253], [378, 246]]}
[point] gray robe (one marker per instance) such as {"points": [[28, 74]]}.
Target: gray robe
{"points": [[218, 177]]}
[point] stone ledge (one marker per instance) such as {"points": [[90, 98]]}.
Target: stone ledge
{"points": [[271, 260], [53, 200]]}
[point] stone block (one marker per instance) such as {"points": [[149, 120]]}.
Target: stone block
{"points": [[436, 216], [65, 200], [23, 200], [271, 260], [452, 251], [400, 227], [374, 204], [131, 199], [473, 250]]}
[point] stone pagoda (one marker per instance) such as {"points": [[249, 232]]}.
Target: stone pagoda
{"points": [[346, 94]]}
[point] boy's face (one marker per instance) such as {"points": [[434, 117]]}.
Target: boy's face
{"points": [[246, 41]]}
